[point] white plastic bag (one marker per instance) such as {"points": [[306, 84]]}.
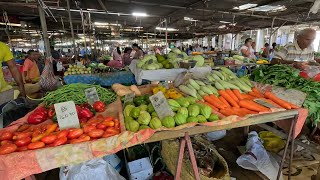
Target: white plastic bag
{"points": [[257, 158], [216, 135], [96, 169]]}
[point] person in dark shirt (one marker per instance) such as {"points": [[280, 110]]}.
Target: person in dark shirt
{"points": [[56, 56]]}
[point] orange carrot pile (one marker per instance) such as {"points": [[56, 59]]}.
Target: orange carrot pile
{"points": [[233, 102]]}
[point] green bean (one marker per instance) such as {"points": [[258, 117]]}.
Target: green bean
{"points": [[75, 92]]}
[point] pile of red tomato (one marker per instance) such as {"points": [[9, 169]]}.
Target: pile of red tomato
{"points": [[30, 137]]}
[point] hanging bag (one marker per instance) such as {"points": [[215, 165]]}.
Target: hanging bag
{"points": [[48, 81]]}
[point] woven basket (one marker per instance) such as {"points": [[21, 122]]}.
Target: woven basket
{"points": [[170, 153]]}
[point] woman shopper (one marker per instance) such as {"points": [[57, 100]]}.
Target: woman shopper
{"points": [[247, 49]]}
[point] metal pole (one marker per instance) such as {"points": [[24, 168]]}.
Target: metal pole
{"points": [[84, 35], [44, 31], [72, 32], [166, 36], [271, 32]]}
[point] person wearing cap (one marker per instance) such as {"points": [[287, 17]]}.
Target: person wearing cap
{"points": [[6, 56]]}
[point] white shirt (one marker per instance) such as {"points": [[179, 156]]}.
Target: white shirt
{"points": [[251, 51]]}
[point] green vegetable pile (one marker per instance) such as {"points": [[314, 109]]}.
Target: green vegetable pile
{"points": [[140, 114], [75, 92], [288, 77]]}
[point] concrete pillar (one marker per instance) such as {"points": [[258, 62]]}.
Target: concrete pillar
{"points": [[227, 41], [220, 41], [259, 40], [237, 41]]}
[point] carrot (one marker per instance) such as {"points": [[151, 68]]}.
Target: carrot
{"points": [[224, 101], [239, 111], [271, 102], [277, 100], [251, 105], [226, 96], [208, 104], [229, 112], [233, 96], [257, 91], [237, 93], [248, 97], [248, 111], [254, 94], [215, 103], [212, 106], [215, 98]]}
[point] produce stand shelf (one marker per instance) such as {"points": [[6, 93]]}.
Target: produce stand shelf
{"points": [[260, 119]]}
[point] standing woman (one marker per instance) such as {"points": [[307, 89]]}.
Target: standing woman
{"points": [[247, 50]]}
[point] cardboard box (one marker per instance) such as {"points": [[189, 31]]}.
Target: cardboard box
{"points": [[140, 169]]}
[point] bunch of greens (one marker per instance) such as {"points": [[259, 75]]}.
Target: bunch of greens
{"points": [[288, 77]]}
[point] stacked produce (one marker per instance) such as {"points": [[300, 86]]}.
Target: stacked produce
{"points": [[288, 77], [169, 61], [168, 93], [74, 69], [140, 114], [75, 92], [122, 90], [230, 95], [41, 132]]}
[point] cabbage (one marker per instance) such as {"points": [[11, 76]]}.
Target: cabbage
{"points": [[172, 56], [176, 50], [199, 59]]}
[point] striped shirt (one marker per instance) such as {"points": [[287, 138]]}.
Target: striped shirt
{"points": [[292, 52]]}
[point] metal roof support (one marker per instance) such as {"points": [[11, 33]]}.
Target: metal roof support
{"points": [[44, 31], [72, 32]]}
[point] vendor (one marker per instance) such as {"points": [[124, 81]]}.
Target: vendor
{"points": [[126, 59], [247, 49], [117, 59], [138, 51], [299, 53], [6, 56], [31, 73]]}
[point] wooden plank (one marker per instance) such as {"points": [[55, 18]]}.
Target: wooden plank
{"points": [[264, 118]]}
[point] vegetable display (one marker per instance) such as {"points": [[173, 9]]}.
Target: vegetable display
{"points": [[31, 137], [122, 90], [288, 77], [75, 92], [226, 93], [140, 114]]}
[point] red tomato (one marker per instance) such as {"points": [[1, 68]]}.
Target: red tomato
{"points": [[99, 106], [63, 133], [83, 120], [60, 141], [6, 136], [8, 148], [101, 126], [49, 139], [96, 133], [108, 119], [36, 145], [6, 142], [74, 134], [23, 142], [108, 123], [21, 135], [112, 130], [88, 128], [116, 123], [22, 148], [100, 117], [80, 140]]}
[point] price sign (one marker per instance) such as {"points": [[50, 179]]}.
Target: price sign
{"points": [[264, 103], [161, 105], [129, 97], [67, 115], [92, 95]]}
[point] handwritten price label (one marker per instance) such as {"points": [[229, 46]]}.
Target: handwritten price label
{"points": [[92, 95], [129, 97], [161, 105], [67, 115]]}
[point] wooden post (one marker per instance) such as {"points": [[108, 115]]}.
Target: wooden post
{"points": [[44, 31], [72, 32]]}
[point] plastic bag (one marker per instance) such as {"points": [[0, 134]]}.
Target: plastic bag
{"points": [[271, 141], [48, 81], [96, 169], [257, 158], [216, 135]]}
